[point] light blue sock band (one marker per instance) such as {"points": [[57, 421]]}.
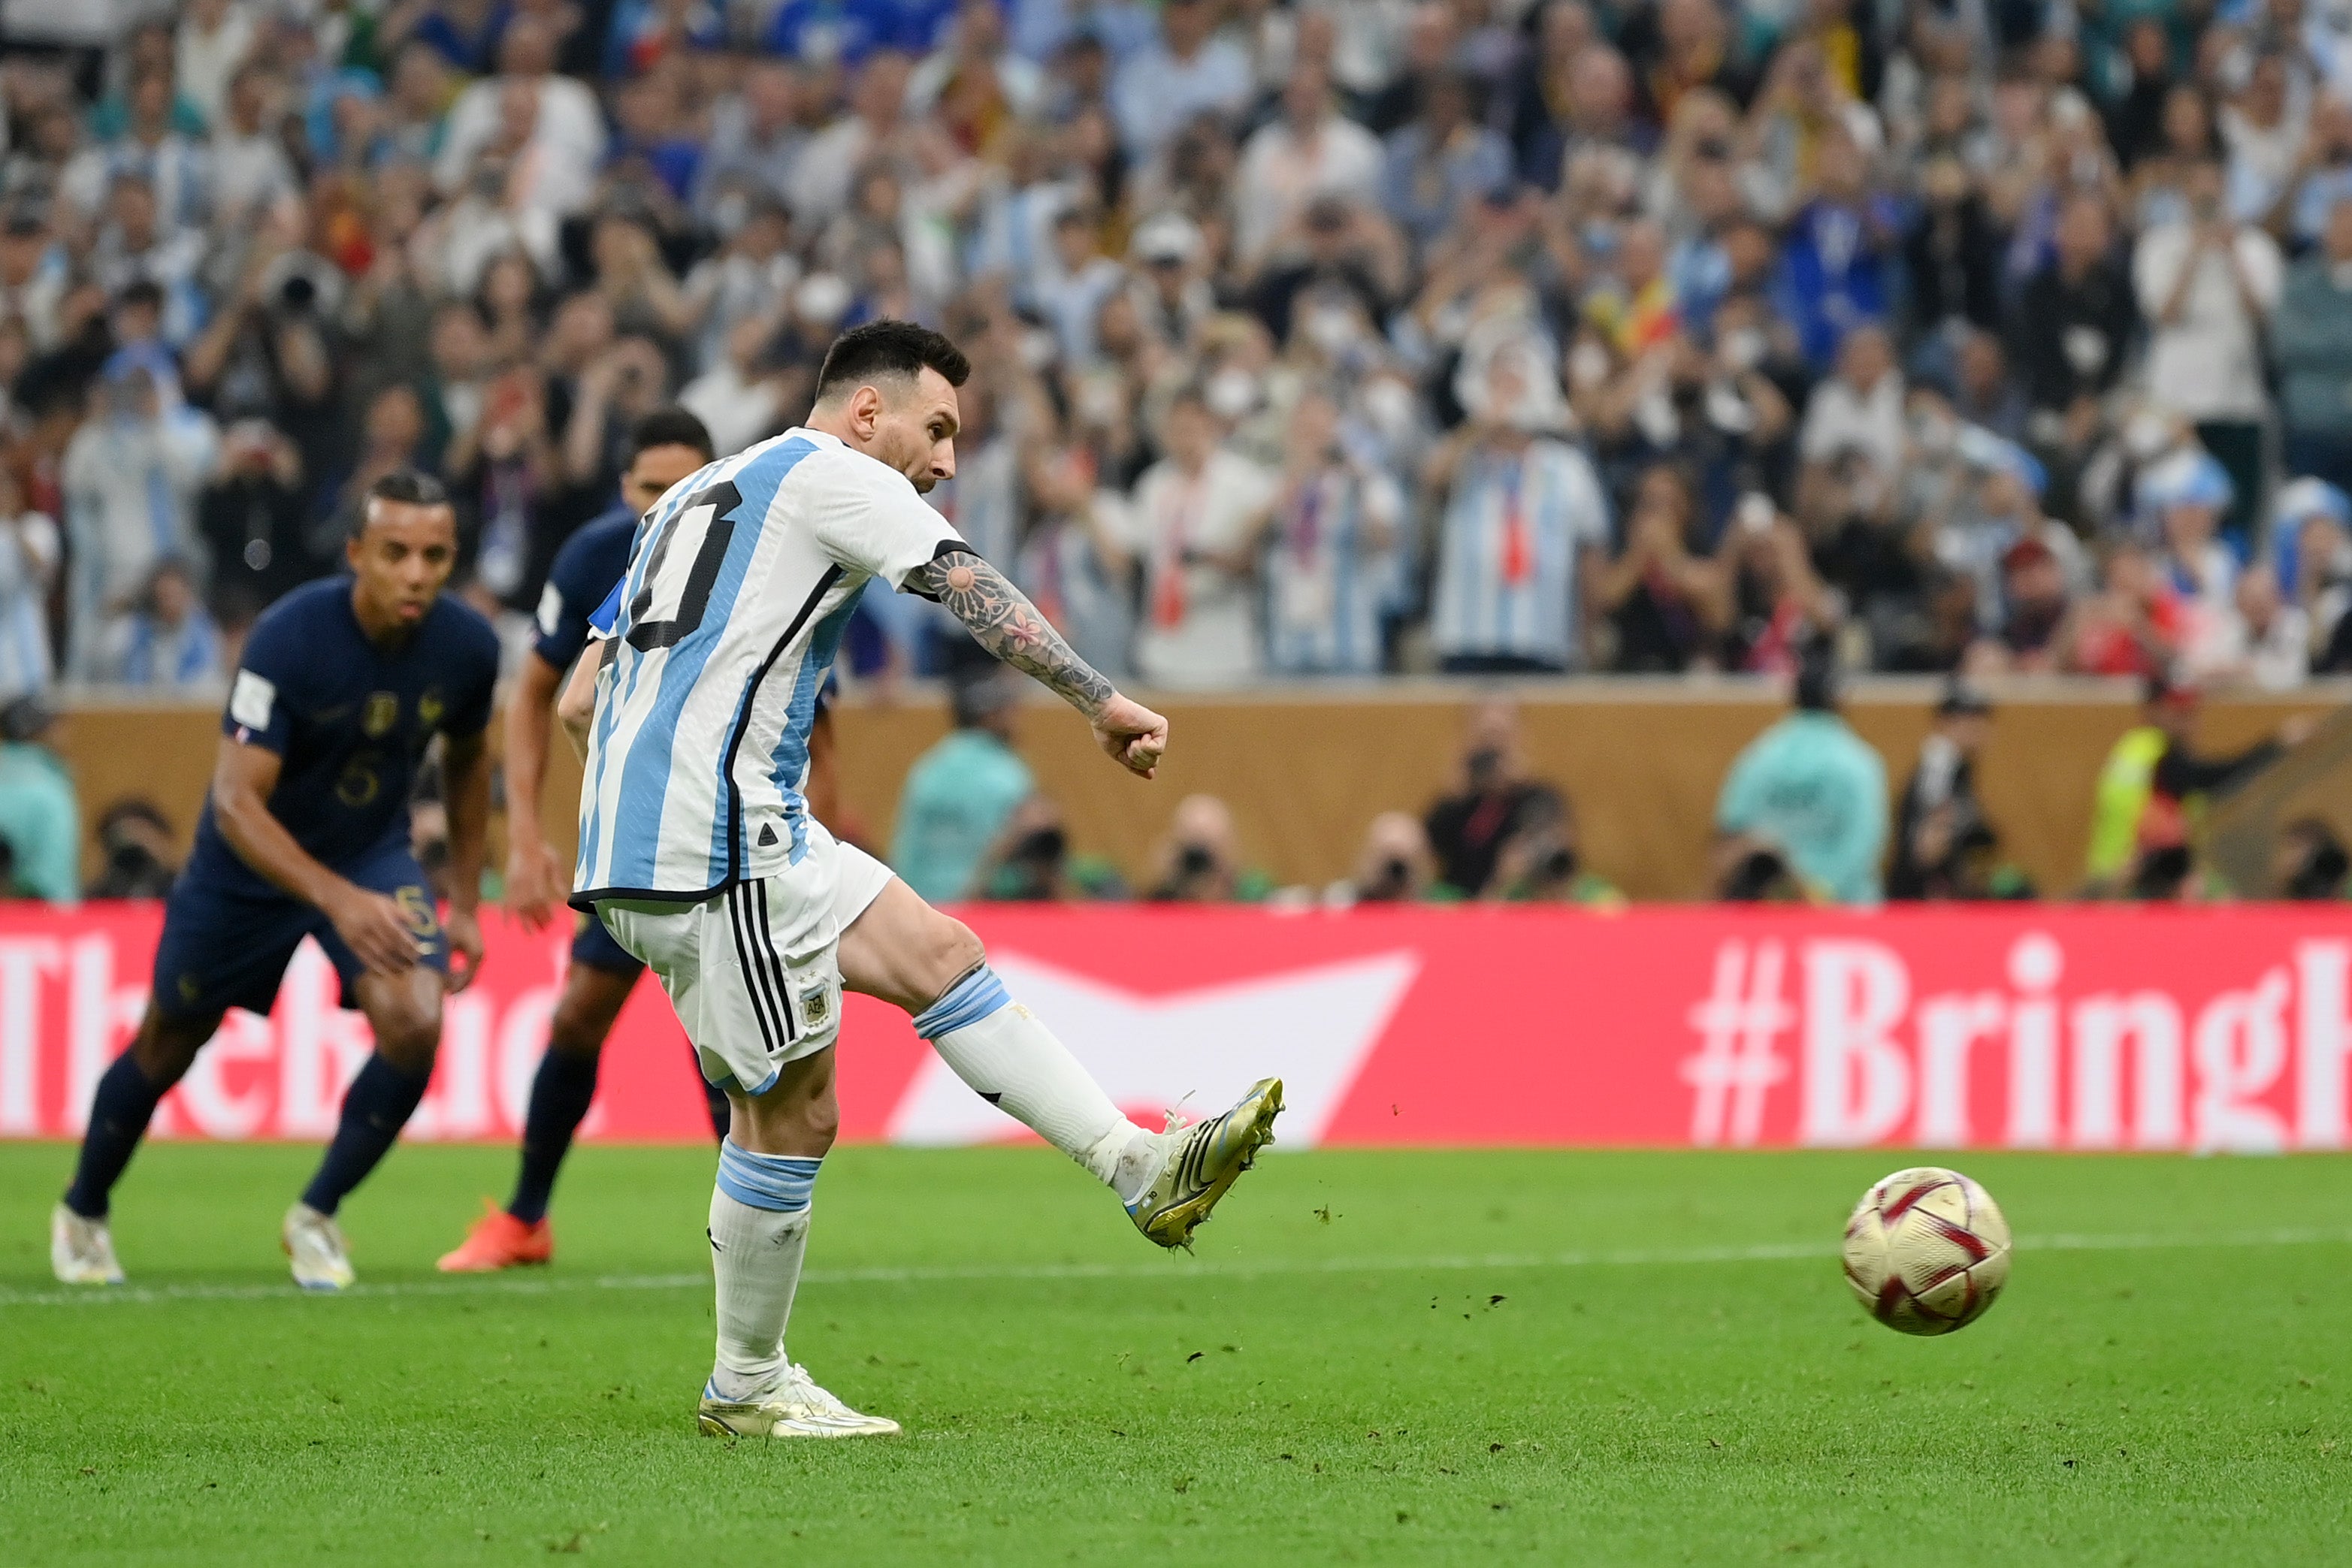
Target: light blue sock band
{"points": [[968, 1002], [778, 1183]]}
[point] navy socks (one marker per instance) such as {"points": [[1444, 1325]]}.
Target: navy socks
{"points": [[376, 1106], [119, 1114]]}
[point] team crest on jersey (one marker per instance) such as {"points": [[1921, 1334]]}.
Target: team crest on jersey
{"points": [[430, 707], [382, 712], [816, 1006]]}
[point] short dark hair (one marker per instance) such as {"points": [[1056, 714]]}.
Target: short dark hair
{"points": [[887, 348], [670, 426], [402, 486]]}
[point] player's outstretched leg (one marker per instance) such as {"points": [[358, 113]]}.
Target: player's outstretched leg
{"points": [[404, 1011], [906, 952], [560, 1092], [81, 1247], [759, 1234]]}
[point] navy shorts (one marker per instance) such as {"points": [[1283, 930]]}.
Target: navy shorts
{"points": [[227, 946], [595, 946]]}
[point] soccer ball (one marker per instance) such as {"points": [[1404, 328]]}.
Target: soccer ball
{"points": [[1926, 1250]]}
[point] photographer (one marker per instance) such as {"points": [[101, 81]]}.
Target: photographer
{"points": [[1394, 866], [2310, 863], [135, 839], [1198, 860], [1468, 829], [1540, 863]]}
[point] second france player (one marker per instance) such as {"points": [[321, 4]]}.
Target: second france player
{"points": [[342, 685]]}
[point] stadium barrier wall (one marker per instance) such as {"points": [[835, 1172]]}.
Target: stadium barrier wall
{"points": [[1305, 770], [2083, 1027]]}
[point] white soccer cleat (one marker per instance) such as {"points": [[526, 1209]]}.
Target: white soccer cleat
{"points": [[795, 1407], [315, 1243], [81, 1251]]}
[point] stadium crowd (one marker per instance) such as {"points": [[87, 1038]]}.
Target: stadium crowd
{"points": [[1331, 338]]}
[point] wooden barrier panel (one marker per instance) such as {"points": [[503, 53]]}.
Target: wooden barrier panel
{"points": [[1304, 772]]}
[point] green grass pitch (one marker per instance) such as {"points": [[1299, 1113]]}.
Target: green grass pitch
{"points": [[1374, 1357]]}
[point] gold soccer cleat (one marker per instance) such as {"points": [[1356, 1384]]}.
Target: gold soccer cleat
{"points": [[1203, 1162]]}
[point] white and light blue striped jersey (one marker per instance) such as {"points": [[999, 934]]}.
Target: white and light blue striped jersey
{"points": [[735, 599], [1327, 583], [1506, 570]]}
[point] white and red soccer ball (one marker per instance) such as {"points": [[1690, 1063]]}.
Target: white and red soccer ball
{"points": [[1926, 1250]]}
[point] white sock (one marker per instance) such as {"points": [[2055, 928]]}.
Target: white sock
{"points": [[756, 1247], [1009, 1057]]}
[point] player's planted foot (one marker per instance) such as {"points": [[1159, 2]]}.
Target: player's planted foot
{"points": [[500, 1240], [315, 1243], [81, 1251], [1203, 1162], [794, 1408]]}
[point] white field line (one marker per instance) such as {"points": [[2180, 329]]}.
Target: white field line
{"points": [[1242, 1268]]}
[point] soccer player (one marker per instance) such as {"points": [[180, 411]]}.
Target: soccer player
{"points": [[305, 833], [698, 849], [667, 444]]}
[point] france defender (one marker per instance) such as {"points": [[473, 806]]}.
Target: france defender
{"points": [[305, 833], [666, 445], [698, 848]]}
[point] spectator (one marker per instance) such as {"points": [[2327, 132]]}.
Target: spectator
{"points": [[1667, 603], [166, 641], [1836, 271], [2134, 625], [1200, 860], [2313, 339], [1440, 162], [254, 517], [2311, 554], [1859, 409], [2153, 784], [29, 551], [547, 128], [1525, 522], [1812, 792], [40, 825], [2036, 600], [2207, 286], [2186, 496], [1199, 516], [2258, 640], [1192, 70], [130, 480], [1307, 151], [959, 794], [1328, 566], [138, 857], [2070, 334], [1468, 830]]}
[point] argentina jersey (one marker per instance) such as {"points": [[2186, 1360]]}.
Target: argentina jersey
{"points": [[733, 605]]}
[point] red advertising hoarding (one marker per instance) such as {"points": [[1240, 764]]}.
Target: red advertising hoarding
{"points": [[2086, 1028]]}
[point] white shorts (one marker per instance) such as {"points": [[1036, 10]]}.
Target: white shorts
{"points": [[755, 972]]}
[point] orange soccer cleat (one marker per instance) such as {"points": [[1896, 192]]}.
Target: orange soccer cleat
{"points": [[500, 1240]]}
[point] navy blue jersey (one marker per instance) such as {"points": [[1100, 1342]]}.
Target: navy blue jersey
{"points": [[587, 570], [349, 720]]}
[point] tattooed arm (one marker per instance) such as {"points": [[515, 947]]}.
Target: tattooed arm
{"points": [[1003, 621]]}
